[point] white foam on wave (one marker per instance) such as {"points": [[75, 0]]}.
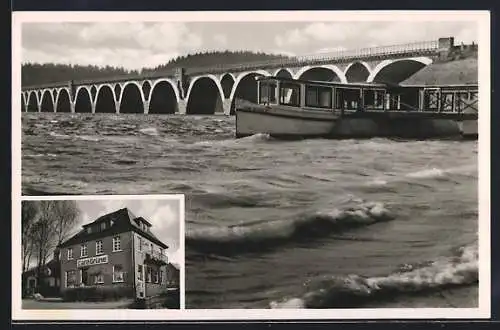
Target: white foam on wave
{"points": [[365, 213], [57, 135], [152, 131], [460, 269], [260, 137], [427, 173], [88, 138]]}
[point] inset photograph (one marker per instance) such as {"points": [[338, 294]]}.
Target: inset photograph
{"points": [[104, 253]]}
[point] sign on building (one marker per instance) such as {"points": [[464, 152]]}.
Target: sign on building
{"points": [[92, 261]]}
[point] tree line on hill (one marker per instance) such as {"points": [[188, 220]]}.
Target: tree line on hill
{"points": [[38, 74]]}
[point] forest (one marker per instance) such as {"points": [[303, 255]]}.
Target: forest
{"points": [[37, 73]]}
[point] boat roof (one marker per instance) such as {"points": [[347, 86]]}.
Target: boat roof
{"points": [[362, 84]]}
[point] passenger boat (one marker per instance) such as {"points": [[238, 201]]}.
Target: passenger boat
{"points": [[291, 108]]}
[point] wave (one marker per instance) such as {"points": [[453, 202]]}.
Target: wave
{"points": [[261, 235], [259, 137], [427, 173], [152, 131], [57, 135], [355, 290], [87, 138]]}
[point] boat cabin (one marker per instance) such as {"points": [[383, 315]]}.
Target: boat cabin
{"points": [[342, 97]]}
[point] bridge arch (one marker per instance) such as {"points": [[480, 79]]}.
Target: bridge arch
{"points": [[245, 87], [105, 101], [47, 103], [83, 102], [227, 82], [283, 72], [63, 103], [132, 98], [205, 96], [395, 71], [357, 71], [33, 102], [164, 97], [327, 72]]}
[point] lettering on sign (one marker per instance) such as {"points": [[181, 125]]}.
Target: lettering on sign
{"points": [[92, 261]]}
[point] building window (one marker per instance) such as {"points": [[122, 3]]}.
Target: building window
{"points": [[140, 273], [140, 243], [98, 247], [155, 276], [70, 253], [118, 273], [103, 225], [151, 247], [89, 230], [148, 274], [116, 244], [161, 276], [98, 279], [83, 250], [70, 279]]}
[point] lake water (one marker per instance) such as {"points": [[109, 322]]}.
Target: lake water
{"points": [[269, 223]]}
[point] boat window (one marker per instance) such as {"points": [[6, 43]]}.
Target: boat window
{"points": [[461, 101], [267, 92], [374, 99], [318, 96], [290, 94], [347, 98], [431, 100], [447, 102]]}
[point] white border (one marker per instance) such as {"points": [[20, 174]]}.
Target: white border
{"points": [[480, 17]]}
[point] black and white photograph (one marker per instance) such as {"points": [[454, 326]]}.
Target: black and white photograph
{"points": [[101, 253], [333, 163]]}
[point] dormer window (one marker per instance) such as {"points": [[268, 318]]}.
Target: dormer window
{"points": [[103, 225], [89, 230], [111, 223]]}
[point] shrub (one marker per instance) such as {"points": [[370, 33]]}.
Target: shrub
{"points": [[96, 293]]}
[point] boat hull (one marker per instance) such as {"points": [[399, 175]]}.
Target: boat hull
{"points": [[282, 125], [285, 123]]}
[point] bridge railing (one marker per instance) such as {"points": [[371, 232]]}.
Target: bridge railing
{"points": [[423, 47], [340, 56]]}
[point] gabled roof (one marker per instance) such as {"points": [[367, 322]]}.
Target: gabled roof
{"points": [[123, 220]]}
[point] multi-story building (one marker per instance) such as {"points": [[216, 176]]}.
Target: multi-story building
{"points": [[118, 251]]}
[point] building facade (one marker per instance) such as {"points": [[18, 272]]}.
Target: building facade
{"points": [[117, 252], [47, 283]]}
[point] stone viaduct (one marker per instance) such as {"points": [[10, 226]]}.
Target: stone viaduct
{"points": [[213, 90]]}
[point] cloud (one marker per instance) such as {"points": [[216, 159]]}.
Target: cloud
{"points": [[220, 40], [129, 44], [349, 35]]}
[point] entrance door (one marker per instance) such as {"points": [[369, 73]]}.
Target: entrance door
{"points": [[85, 276], [140, 285]]}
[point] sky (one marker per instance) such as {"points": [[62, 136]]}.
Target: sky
{"points": [[134, 45], [163, 214]]}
